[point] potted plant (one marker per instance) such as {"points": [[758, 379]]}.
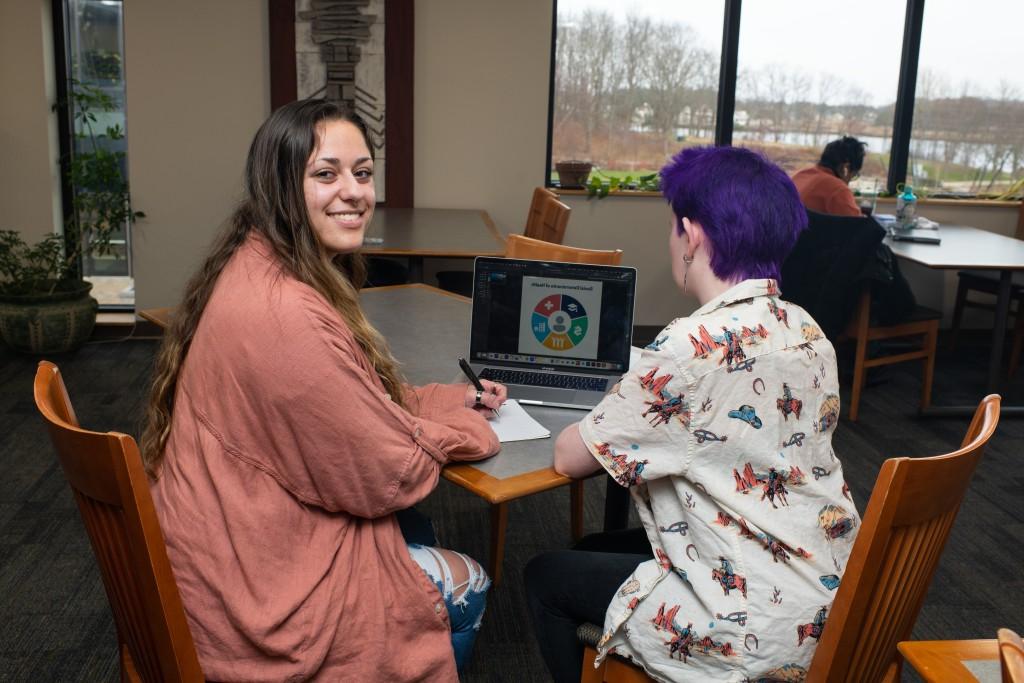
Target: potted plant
{"points": [[573, 173], [45, 305], [600, 184]]}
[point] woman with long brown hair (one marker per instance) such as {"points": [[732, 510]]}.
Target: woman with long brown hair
{"points": [[281, 441]]}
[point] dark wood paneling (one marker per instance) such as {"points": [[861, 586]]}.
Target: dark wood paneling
{"points": [[399, 49], [283, 79]]}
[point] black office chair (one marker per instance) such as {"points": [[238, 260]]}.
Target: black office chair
{"points": [[825, 271], [848, 280], [383, 272]]}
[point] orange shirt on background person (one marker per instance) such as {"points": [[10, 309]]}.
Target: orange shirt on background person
{"points": [[820, 190]]}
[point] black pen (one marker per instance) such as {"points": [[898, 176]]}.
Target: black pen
{"points": [[468, 372]]}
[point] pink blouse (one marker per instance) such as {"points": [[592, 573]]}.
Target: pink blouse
{"points": [[285, 463]]}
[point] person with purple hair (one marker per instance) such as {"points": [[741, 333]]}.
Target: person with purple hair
{"points": [[722, 433]]}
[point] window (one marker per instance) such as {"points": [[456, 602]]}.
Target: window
{"points": [[934, 90], [807, 75], [633, 82], [968, 128], [95, 49]]}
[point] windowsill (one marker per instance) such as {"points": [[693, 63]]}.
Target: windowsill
{"points": [[615, 193], [988, 203]]}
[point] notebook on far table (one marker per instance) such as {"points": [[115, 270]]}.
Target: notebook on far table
{"points": [[922, 235], [555, 333]]}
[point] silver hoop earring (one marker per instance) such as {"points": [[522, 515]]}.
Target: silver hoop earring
{"points": [[686, 260]]}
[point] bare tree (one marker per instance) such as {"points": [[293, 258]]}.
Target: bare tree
{"points": [[633, 54], [583, 72], [673, 69]]}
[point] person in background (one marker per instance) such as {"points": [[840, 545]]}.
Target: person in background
{"points": [[281, 441], [825, 187], [722, 432]]}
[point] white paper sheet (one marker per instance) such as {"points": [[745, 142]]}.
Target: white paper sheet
{"points": [[513, 423]]}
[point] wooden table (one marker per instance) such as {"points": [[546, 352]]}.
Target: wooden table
{"points": [[964, 248], [428, 329], [443, 233], [953, 660]]}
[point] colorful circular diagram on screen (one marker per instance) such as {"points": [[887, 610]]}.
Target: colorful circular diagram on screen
{"points": [[559, 322]]}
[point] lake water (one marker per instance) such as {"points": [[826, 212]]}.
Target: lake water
{"points": [[974, 155]]}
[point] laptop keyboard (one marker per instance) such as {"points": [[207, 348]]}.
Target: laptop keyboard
{"points": [[544, 379]]}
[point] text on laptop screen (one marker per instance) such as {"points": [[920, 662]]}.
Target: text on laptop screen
{"points": [[556, 314]]}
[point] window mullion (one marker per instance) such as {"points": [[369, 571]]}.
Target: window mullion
{"points": [[904, 115], [727, 73]]}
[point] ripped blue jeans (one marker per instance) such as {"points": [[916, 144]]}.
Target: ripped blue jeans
{"points": [[465, 602]]}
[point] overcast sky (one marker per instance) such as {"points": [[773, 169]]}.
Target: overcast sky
{"points": [[973, 42]]}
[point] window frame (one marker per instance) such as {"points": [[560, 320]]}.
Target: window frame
{"points": [[903, 118]]}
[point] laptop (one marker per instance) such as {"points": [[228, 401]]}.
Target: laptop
{"points": [[554, 333]]}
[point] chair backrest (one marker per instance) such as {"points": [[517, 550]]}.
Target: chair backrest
{"points": [[902, 534], [1011, 656], [548, 216], [824, 271], [519, 246], [110, 487]]}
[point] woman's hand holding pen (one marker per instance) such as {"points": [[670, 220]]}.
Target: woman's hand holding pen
{"points": [[491, 398]]}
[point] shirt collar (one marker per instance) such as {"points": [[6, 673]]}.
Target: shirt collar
{"points": [[744, 291]]}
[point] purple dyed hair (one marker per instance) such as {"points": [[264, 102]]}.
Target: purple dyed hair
{"points": [[748, 207]]}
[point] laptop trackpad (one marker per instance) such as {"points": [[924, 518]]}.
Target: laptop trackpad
{"points": [[542, 394]]}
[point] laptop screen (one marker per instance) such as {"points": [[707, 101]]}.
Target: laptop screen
{"points": [[575, 316]]}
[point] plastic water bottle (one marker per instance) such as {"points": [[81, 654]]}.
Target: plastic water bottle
{"points": [[906, 208]]}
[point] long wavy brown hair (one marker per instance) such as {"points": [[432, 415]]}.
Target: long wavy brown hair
{"points": [[275, 207]]}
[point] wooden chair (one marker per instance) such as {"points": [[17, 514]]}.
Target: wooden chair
{"points": [[613, 669], [548, 216], [108, 482], [546, 220], [161, 317], [987, 282], [902, 534], [924, 323], [520, 246], [904, 529], [1011, 656], [943, 660]]}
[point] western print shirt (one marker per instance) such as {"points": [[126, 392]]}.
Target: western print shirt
{"points": [[722, 432]]}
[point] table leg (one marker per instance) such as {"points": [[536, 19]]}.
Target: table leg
{"points": [[1002, 313], [616, 506], [576, 492], [415, 269], [499, 520]]}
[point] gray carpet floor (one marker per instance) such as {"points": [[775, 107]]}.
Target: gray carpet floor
{"points": [[55, 624]]}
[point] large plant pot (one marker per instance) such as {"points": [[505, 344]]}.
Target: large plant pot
{"points": [[573, 174], [48, 323]]}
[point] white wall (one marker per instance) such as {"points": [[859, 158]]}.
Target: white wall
{"points": [[481, 105], [198, 87], [29, 168]]}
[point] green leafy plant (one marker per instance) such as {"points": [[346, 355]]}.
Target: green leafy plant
{"points": [[600, 185], [28, 269], [101, 207]]}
